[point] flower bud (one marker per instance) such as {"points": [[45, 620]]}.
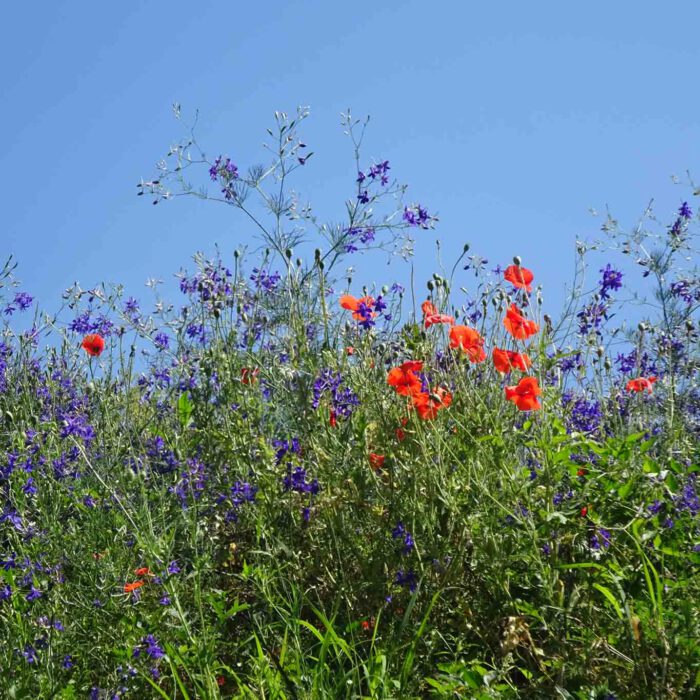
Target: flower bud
{"points": [[517, 260], [430, 285], [466, 248], [288, 253], [236, 254]]}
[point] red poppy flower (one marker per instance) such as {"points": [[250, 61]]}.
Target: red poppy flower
{"points": [[429, 403], [432, 319], [220, 681], [333, 419], [376, 461], [351, 303], [142, 571], [93, 344], [350, 350], [641, 384], [519, 276], [584, 511], [404, 378], [367, 624], [517, 325], [131, 587], [248, 375], [505, 360], [525, 394], [428, 308], [469, 340], [400, 434]]}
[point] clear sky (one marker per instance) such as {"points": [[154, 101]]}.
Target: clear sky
{"points": [[508, 119]]}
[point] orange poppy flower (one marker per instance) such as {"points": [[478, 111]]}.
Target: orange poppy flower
{"points": [[428, 404], [517, 325], [519, 276], [428, 308], [525, 394], [505, 360], [351, 303], [142, 571], [376, 461], [469, 340], [350, 350], [93, 344], [404, 379], [131, 587], [432, 319], [641, 384]]}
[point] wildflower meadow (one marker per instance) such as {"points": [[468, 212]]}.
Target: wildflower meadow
{"points": [[296, 482]]}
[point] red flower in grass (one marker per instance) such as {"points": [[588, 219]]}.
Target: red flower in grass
{"points": [[400, 432], [333, 419], [517, 325], [519, 276], [505, 360], [376, 461], [351, 303], [93, 344], [142, 571], [525, 394], [131, 587], [249, 375], [469, 340], [641, 384], [429, 403], [404, 378]]}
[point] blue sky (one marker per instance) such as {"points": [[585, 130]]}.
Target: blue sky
{"points": [[508, 119]]}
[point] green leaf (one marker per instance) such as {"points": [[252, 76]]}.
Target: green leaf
{"points": [[184, 410], [610, 598]]}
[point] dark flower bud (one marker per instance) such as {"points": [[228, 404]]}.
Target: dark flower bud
{"points": [[430, 285], [517, 260], [466, 247]]}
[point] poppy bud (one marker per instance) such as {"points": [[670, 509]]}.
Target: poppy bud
{"points": [[320, 265], [689, 324], [466, 248], [438, 282], [299, 262], [317, 254], [600, 350], [516, 259], [642, 327], [607, 364], [288, 253], [236, 254], [430, 285]]}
